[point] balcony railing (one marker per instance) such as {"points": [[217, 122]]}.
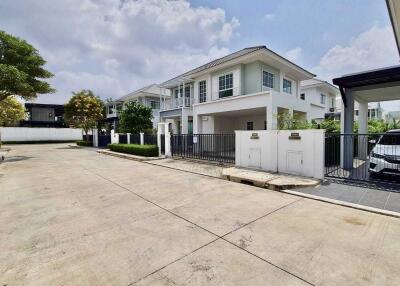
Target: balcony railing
{"points": [[177, 102]]}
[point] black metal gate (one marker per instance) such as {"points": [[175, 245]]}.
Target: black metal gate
{"points": [[162, 144], [211, 147], [150, 139], [123, 138], [104, 140], [374, 159]]}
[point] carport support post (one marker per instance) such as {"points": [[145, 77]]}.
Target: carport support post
{"points": [[141, 138], [128, 138], [362, 129], [347, 125]]}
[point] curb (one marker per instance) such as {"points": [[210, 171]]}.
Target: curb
{"points": [[342, 203], [289, 192]]}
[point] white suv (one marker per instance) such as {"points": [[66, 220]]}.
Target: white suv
{"points": [[385, 156]]}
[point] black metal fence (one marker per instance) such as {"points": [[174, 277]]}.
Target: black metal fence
{"points": [[150, 139], [88, 136], [212, 147], [370, 158], [135, 139], [123, 138]]}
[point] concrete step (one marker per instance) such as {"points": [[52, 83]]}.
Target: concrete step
{"points": [[267, 180]]}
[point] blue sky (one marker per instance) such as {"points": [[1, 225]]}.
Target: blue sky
{"points": [[114, 47]]}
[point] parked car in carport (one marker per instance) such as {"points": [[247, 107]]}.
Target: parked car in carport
{"points": [[385, 156]]}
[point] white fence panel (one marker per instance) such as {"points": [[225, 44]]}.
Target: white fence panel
{"points": [[21, 134], [297, 152]]}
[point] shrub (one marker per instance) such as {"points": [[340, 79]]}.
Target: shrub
{"points": [[84, 143], [135, 149]]}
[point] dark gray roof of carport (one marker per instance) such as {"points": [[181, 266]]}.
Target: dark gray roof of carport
{"points": [[366, 78]]}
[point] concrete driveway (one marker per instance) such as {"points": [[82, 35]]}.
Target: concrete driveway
{"points": [[70, 216]]}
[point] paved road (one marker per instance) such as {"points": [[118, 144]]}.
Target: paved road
{"points": [[71, 216]]}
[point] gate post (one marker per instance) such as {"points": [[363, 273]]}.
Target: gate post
{"points": [[95, 142], [141, 138], [128, 138], [168, 145]]}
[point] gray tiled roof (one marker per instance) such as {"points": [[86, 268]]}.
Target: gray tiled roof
{"points": [[219, 61]]}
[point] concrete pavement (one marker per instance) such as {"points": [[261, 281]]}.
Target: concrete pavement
{"points": [[70, 216]]}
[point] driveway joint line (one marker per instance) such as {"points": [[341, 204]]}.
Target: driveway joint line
{"points": [[217, 236]]}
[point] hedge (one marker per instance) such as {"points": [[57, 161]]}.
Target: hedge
{"points": [[135, 149], [84, 143]]}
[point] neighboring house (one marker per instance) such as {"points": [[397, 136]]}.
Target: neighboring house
{"points": [[43, 115], [245, 90], [321, 95], [149, 96], [392, 115], [375, 111]]}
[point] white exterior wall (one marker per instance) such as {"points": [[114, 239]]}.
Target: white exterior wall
{"points": [[273, 151], [39, 134], [313, 96]]}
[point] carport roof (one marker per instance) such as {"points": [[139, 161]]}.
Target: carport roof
{"points": [[371, 79]]}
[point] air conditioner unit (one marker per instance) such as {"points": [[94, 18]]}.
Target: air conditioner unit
{"points": [[331, 109]]}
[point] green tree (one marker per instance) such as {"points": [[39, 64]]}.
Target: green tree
{"points": [[83, 110], [11, 111], [292, 122], [21, 69], [135, 118]]}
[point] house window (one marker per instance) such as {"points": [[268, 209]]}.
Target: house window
{"points": [[323, 98], [356, 112], [110, 110], [373, 113], [287, 86], [249, 125], [154, 104], [333, 102], [302, 96], [226, 85], [268, 79], [202, 91]]}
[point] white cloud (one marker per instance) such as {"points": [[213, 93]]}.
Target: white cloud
{"points": [[294, 55], [269, 17], [371, 49], [114, 46]]}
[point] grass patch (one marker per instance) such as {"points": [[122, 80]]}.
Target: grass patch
{"points": [[84, 143], [135, 149]]}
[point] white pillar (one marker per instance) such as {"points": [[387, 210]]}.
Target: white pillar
{"points": [[272, 120], [128, 138], [363, 129], [95, 138], [347, 125], [184, 123], [141, 138]]}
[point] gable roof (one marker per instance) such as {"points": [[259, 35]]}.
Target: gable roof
{"points": [[228, 58], [317, 82], [143, 89]]}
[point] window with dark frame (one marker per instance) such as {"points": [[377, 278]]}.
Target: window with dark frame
{"points": [[268, 79], [302, 96], [226, 85], [323, 98], [249, 125], [202, 91], [287, 86]]}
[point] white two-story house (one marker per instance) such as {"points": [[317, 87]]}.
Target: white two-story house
{"points": [[321, 95], [149, 96], [246, 90]]}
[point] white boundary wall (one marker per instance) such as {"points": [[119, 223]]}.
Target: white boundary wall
{"points": [[279, 151], [39, 134]]}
